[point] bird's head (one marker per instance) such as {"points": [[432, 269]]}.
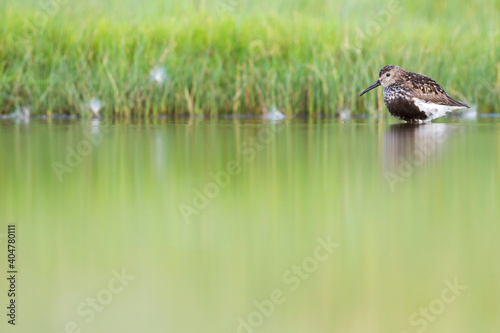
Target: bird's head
{"points": [[387, 76]]}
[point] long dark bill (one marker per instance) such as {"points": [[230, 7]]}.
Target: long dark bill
{"points": [[373, 86]]}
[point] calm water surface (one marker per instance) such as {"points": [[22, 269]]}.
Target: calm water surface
{"points": [[252, 226]]}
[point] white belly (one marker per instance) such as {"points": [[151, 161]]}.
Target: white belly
{"points": [[432, 110]]}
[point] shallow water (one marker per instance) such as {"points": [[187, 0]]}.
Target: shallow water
{"points": [[253, 226]]}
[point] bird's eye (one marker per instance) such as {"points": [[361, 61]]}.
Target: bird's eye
{"points": [[387, 74]]}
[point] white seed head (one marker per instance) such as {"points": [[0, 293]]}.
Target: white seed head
{"points": [[158, 75], [95, 106], [344, 113], [274, 114], [21, 113]]}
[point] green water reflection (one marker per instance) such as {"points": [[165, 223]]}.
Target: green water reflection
{"points": [[223, 225]]}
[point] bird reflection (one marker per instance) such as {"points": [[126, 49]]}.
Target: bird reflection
{"points": [[408, 147]]}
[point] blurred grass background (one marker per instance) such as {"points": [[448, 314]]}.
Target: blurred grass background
{"points": [[240, 57]]}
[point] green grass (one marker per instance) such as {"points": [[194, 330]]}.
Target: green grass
{"points": [[240, 57]]}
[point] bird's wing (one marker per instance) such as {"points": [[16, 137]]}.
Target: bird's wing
{"points": [[427, 89]]}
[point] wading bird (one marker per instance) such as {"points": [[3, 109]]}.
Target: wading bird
{"points": [[413, 97]]}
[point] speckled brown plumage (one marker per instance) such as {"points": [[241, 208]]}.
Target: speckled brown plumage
{"points": [[429, 90], [413, 97]]}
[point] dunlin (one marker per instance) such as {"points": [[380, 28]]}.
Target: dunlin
{"points": [[413, 97]]}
